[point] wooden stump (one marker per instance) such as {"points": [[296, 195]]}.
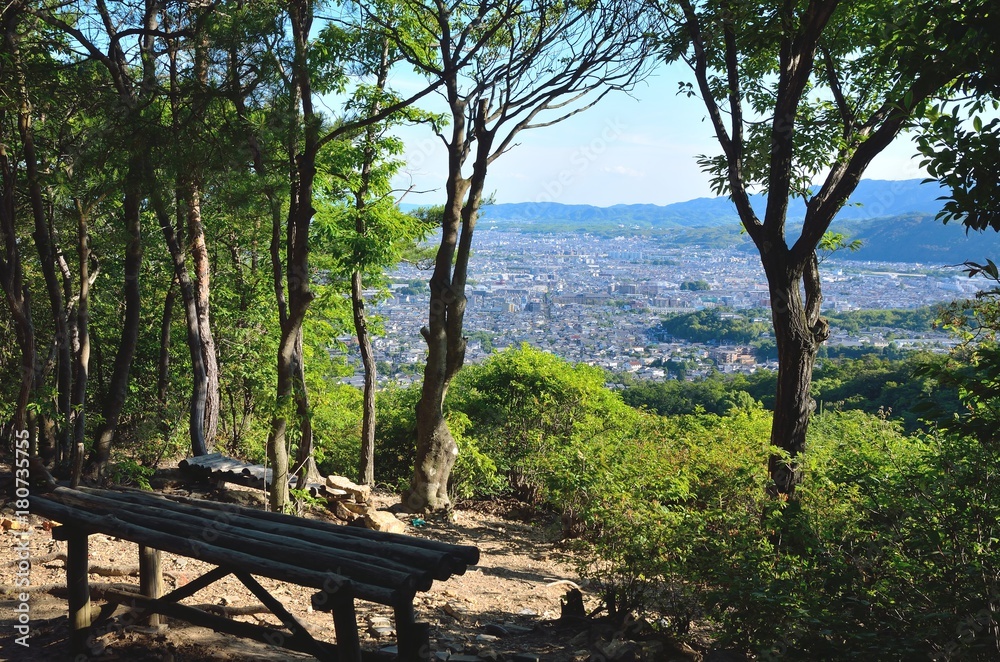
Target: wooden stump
{"points": [[78, 583], [150, 579]]}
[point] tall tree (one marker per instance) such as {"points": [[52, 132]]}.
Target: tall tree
{"points": [[312, 71], [12, 280], [505, 66], [793, 91]]}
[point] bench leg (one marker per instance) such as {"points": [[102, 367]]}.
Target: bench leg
{"points": [[412, 638], [345, 624], [77, 581], [150, 579]]}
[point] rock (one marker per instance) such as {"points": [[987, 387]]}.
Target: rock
{"points": [[486, 638], [379, 520], [527, 612], [464, 658], [8, 524], [361, 493], [496, 630], [453, 611], [356, 508], [526, 657], [334, 493], [489, 655], [381, 632], [441, 656], [389, 650], [342, 512]]}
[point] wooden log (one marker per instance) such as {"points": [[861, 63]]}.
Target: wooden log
{"points": [[77, 583], [438, 563], [150, 578], [465, 554], [219, 532], [199, 549]]}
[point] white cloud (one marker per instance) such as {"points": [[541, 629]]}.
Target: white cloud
{"points": [[624, 171]]}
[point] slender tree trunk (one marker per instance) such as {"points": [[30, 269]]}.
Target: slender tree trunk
{"points": [[117, 390], [14, 288], [300, 213], [436, 448], [83, 350], [200, 292], [305, 459], [118, 386], [199, 250], [43, 243], [196, 417], [366, 465], [163, 363]]}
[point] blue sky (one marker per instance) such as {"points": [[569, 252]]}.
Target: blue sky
{"points": [[625, 150]]}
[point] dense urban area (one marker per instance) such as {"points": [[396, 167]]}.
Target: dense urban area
{"points": [[600, 300]]}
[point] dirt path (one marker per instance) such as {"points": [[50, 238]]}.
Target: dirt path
{"points": [[502, 607]]}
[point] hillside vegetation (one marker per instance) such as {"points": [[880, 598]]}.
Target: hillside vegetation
{"points": [[896, 523]]}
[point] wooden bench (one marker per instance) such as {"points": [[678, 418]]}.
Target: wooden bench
{"points": [[343, 563]]}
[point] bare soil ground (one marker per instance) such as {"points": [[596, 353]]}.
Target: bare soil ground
{"points": [[506, 605]]}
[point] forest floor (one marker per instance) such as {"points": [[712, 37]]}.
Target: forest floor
{"points": [[507, 605]]}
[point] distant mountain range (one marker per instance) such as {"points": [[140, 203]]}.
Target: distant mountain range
{"points": [[872, 199], [894, 220]]}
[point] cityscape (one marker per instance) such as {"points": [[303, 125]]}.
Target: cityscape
{"points": [[599, 300]]}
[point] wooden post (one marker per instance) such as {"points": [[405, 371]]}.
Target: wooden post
{"points": [[77, 581], [412, 638], [150, 579], [345, 623]]}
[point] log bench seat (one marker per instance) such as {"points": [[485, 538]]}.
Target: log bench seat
{"points": [[343, 563]]}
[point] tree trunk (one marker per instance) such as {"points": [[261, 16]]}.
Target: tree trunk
{"points": [[83, 350], [200, 263], [305, 459], [799, 332], [118, 385], [366, 465], [11, 272], [46, 254], [198, 247], [436, 447], [163, 362], [196, 417], [300, 213], [366, 459], [277, 446]]}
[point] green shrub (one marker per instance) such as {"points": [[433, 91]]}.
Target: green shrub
{"points": [[890, 550]]}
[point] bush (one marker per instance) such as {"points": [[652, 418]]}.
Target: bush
{"points": [[523, 405], [889, 551]]}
